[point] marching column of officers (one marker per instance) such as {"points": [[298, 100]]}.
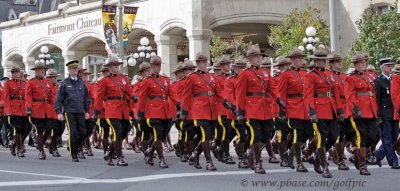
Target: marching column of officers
{"points": [[304, 113]]}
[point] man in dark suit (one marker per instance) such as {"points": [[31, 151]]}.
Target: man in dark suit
{"points": [[389, 129]]}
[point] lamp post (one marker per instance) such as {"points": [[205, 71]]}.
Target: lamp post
{"points": [[45, 57], [311, 41], [144, 54]]}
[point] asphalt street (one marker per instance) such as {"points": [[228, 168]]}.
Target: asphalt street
{"points": [[60, 174]]}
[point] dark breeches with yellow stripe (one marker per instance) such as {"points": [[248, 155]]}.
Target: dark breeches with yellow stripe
{"points": [[366, 130], [182, 134], [326, 132], [190, 129], [18, 124], [240, 132], [160, 128], [145, 130], [104, 128], [205, 128], [282, 130], [260, 130], [77, 131], [302, 129], [119, 128], [89, 128], [223, 128], [347, 132]]}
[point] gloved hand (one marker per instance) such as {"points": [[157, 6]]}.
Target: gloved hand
{"points": [[313, 115], [131, 114], [280, 103], [96, 114], [341, 114], [226, 104], [29, 111], [282, 116], [240, 119], [357, 112], [140, 116]]}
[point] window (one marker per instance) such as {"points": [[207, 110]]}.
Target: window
{"points": [[12, 15], [25, 2], [384, 8]]}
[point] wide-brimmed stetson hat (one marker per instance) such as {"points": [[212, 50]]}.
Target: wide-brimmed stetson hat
{"points": [[240, 62], [201, 56], [296, 53], [266, 62], [253, 51], [113, 60], [52, 73], [282, 61], [143, 66], [178, 68], [335, 57], [319, 54], [39, 65]]}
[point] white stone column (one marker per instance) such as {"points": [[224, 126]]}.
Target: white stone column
{"points": [[29, 63], [199, 41], [167, 50]]}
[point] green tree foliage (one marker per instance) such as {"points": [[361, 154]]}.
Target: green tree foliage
{"points": [[290, 34], [379, 34], [234, 48]]}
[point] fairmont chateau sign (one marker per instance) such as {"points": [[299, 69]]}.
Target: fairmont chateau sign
{"points": [[80, 23]]}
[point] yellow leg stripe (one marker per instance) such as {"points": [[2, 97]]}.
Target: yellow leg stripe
{"points": [[186, 136], [14, 132], [180, 135], [288, 123], [203, 134], [101, 129], [223, 127], [315, 127], [337, 140], [113, 130], [154, 130], [142, 135], [279, 135], [195, 122], [181, 125], [295, 136], [353, 124], [251, 131], [33, 125], [69, 134], [236, 131]]}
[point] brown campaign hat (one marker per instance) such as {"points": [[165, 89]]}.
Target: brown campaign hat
{"points": [[112, 60], [282, 61], [51, 72], [201, 56], [104, 68], [396, 67], [178, 68], [253, 51], [39, 65], [296, 53], [187, 64], [240, 62], [15, 69], [266, 62], [320, 54], [155, 60], [334, 57], [224, 60], [216, 66], [81, 69], [358, 57], [143, 66]]}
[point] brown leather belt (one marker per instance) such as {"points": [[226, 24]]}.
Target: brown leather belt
{"points": [[17, 98], [115, 98], [259, 94], [40, 100], [369, 94], [163, 97], [295, 95], [209, 93], [327, 94]]}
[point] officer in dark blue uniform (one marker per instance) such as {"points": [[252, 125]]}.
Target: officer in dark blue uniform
{"points": [[389, 129], [73, 102]]}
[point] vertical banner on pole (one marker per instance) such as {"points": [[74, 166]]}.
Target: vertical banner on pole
{"points": [[127, 22], [110, 26]]}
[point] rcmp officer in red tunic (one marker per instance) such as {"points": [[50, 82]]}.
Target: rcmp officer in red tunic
{"points": [[321, 99], [224, 129], [144, 130], [84, 74], [346, 132], [291, 91], [72, 105], [198, 104], [116, 92], [252, 105], [14, 109], [39, 101], [51, 75], [361, 103], [395, 91], [230, 103], [154, 108]]}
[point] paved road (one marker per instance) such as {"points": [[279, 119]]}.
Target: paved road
{"points": [[59, 174]]}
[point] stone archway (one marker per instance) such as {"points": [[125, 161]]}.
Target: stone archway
{"points": [[14, 59]]}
